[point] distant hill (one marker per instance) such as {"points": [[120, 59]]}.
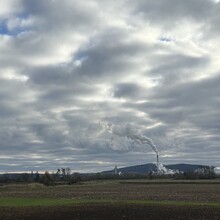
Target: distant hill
{"points": [[145, 168]]}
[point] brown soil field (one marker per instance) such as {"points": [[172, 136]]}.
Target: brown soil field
{"points": [[114, 190], [118, 191], [109, 212]]}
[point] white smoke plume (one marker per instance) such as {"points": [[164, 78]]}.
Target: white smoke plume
{"points": [[130, 132], [163, 170]]}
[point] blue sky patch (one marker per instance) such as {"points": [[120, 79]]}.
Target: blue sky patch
{"points": [[4, 30], [165, 39]]}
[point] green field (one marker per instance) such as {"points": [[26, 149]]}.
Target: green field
{"points": [[24, 202]]}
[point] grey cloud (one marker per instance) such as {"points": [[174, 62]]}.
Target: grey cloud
{"points": [[110, 55], [185, 106], [198, 92], [205, 14], [65, 14], [126, 90], [55, 27], [13, 98], [162, 13], [49, 133], [211, 26], [7, 110], [85, 62], [51, 75], [194, 102], [9, 8], [175, 67]]}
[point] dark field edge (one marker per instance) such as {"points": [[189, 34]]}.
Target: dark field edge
{"points": [[110, 212], [170, 182], [24, 202]]}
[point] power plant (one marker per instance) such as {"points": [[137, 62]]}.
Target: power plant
{"points": [[133, 134], [130, 132]]}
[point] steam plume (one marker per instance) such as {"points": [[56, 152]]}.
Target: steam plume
{"points": [[131, 133]]}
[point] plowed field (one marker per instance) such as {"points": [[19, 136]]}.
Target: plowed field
{"points": [[103, 212], [179, 201]]}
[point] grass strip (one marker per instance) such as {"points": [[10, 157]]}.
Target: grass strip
{"points": [[28, 202]]}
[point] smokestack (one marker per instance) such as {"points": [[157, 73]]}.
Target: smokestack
{"points": [[116, 170], [130, 132], [157, 163]]}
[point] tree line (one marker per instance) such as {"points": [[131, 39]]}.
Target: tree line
{"points": [[66, 176]]}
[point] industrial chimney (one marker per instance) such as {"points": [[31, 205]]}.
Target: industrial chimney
{"points": [[157, 163], [116, 170]]}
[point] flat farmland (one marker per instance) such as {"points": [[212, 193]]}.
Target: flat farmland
{"points": [[112, 200]]}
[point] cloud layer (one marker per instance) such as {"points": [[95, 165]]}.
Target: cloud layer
{"points": [[66, 67]]}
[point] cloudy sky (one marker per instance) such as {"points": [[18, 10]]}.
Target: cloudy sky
{"points": [[69, 69]]}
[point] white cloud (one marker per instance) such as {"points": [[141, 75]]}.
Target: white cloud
{"points": [[67, 65], [8, 7]]}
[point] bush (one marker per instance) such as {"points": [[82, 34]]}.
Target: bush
{"points": [[46, 179]]}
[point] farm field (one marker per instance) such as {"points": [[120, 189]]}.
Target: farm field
{"points": [[112, 200]]}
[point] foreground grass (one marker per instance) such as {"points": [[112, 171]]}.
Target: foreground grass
{"points": [[24, 202]]}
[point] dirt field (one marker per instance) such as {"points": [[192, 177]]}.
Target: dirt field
{"points": [[118, 191], [207, 193], [103, 212]]}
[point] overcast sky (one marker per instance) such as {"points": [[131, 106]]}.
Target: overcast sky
{"points": [[69, 68]]}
